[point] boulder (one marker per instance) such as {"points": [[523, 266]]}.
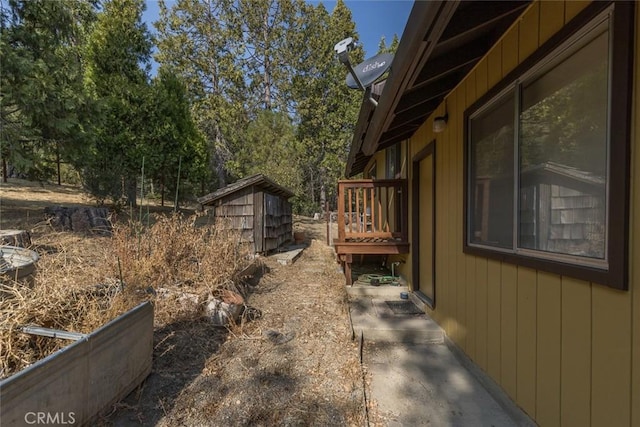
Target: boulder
{"points": [[221, 313], [79, 219]]}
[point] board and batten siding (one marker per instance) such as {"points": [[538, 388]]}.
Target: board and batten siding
{"points": [[566, 351]]}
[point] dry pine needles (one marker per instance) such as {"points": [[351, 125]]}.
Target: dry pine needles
{"points": [[82, 282]]}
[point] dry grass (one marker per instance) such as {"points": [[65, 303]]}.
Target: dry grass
{"points": [[13, 193], [82, 283]]}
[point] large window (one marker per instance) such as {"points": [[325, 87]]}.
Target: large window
{"points": [[540, 174], [492, 169]]}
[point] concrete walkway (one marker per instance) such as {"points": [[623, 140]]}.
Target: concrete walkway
{"points": [[418, 378]]}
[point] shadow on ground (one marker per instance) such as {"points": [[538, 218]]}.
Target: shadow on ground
{"points": [[180, 353]]}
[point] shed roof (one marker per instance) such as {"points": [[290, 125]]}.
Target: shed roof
{"points": [[258, 180], [441, 43], [565, 175]]}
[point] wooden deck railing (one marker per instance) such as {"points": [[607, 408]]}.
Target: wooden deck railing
{"points": [[372, 209]]}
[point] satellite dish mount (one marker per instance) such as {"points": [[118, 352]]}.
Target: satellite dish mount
{"points": [[363, 75]]}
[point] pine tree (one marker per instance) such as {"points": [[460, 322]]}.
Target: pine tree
{"points": [[383, 48], [200, 41], [258, 71], [175, 145], [118, 55], [44, 113], [327, 108], [264, 27]]}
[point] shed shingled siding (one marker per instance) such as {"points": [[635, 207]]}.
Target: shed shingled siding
{"points": [[278, 221], [237, 212], [263, 219]]}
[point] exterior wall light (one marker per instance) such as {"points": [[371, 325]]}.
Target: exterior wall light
{"points": [[440, 123]]}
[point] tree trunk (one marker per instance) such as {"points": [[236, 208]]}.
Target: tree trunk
{"points": [[130, 188], [58, 163], [162, 189], [312, 187], [220, 159], [5, 175], [267, 64], [323, 196]]}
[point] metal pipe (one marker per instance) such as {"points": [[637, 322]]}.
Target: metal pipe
{"points": [[393, 265], [52, 333]]}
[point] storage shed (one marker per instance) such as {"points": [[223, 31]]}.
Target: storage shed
{"points": [[256, 206]]}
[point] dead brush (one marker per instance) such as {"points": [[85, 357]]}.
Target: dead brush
{"points": [[69, 308], [83, 282], [183, 262]]}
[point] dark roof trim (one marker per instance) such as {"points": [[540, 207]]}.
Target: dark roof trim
{"points": [[258, 180], [442, 42], [356, 159], [435, 16], [423, 15]]}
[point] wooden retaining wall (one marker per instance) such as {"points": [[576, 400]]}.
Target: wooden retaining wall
{"points": [[74, 384]]}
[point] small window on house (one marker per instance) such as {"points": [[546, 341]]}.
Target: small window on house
{"points": [[393, 162], [539, 174]]}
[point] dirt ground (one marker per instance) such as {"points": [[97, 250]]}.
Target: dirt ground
{"points": [[294, 365], [250, 375]]}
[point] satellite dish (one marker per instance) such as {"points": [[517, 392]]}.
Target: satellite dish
{"points": [[370, 70]]}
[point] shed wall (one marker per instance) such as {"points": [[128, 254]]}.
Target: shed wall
{"points": [[567, 351], [263, 219], [278, 222], [236, 211]]}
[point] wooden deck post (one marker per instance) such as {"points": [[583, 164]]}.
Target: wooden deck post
{"points": [[347, 269], [341, 227]]}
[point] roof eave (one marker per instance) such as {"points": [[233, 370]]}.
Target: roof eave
{"points": [[441, 44], [258, 180], [411, 54]]}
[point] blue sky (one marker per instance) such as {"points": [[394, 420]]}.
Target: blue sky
{"points": [[376, 18], [373, 18]]}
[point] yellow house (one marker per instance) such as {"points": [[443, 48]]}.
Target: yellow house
{"points": [[502, 170]]}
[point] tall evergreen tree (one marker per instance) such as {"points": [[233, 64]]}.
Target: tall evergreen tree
{"points": [[118, 57], [200, 41], [327, 109], [271, 149], [265, 25], [244, 58], [383, 48], [175, 145], [44, 114]]}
